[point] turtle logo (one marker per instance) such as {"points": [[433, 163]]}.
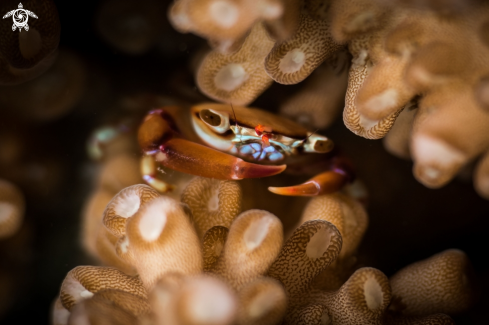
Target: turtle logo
{"points": [[20, 17]]}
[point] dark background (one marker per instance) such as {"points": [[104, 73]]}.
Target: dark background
{"points": [[408, 222]]}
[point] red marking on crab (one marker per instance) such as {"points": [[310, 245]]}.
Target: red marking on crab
{"points": [[260, 129], [265, 138]]}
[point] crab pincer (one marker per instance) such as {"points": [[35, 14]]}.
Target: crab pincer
{"points": [[196, 159], [161, 144]]}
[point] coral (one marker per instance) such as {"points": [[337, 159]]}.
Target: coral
{"points": [[442, 7], [212, 202], [251, 276], [198, 299], [441, 283], [125, 205], [239, 77], [262, 301], [160, 239], [346, 213], [252, 244], [363, 299], [25, 57], [289, 56], [318, 103], [110, 307], [12, 206], [397, 139], [117, 172], [100, 294], [138, 224], [84, 281], [224, 23], [423, 60], [311, 248], [350, 218], [258, 49], [59, 314], [293, 59], [425, 55], [212, 245]]}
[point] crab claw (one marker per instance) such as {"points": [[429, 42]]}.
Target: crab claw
{"points": [[324, 183], [192, 158]]}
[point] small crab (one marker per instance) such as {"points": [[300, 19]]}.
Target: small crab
{"points": [[262, 140]]}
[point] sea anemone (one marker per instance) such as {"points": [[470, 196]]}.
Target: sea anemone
{"points": [[403, 56], [254, 277]]}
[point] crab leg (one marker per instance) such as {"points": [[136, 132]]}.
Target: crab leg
{"points": [[339, 173], [149, 171], [324, 183]]}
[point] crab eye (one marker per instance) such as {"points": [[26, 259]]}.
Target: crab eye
{"points": [[210, 117], [323, 146], [218, 121]]}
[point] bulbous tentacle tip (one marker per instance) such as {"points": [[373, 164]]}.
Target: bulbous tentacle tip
{"points": [[324, 183]]}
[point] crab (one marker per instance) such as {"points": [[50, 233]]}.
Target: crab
{"points": [[238, 143]]}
